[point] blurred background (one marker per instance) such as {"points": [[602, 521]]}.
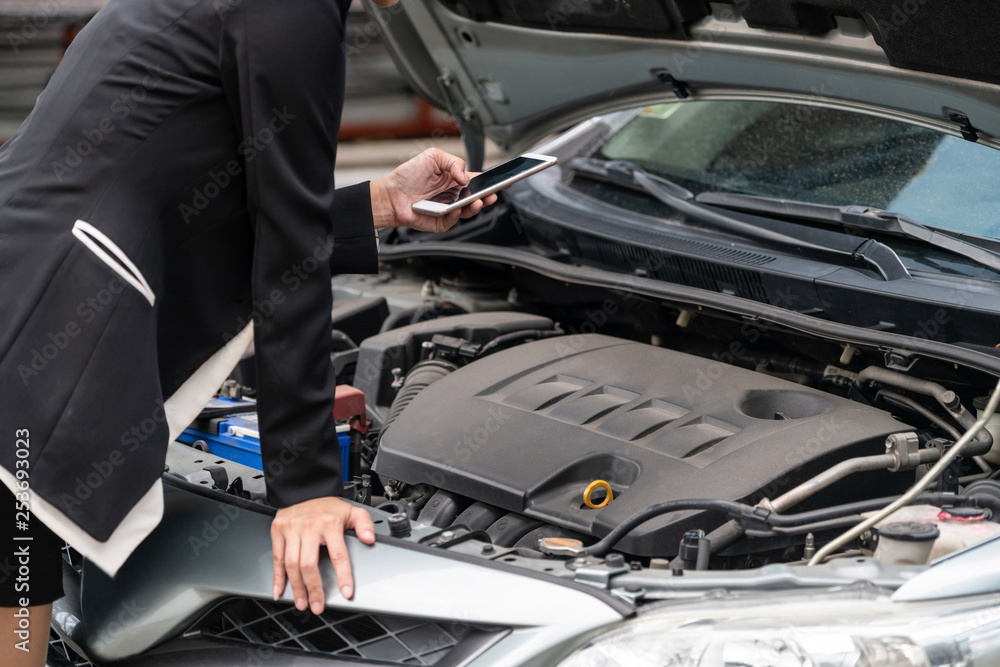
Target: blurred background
{"points": [[384, 123]]}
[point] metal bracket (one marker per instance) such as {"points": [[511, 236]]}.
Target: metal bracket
{"points": [[904, 447], [631, 594], [457, 103], [599, 575], [679, 87], [969, 133], [902, 361]]}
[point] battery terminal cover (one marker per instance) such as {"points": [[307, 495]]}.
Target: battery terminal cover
{"points": [[349, 406]]}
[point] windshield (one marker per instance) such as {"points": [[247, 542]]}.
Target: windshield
{"points": [[818, 155]]}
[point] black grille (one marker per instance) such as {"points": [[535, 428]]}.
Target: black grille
{"points": [[61, 655], [393, 639], [663, 263]]}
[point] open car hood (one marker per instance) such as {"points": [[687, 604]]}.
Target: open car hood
{"points": [[515, 70]]}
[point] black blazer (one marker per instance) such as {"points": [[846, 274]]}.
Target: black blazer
{"points": [[174, 182]]}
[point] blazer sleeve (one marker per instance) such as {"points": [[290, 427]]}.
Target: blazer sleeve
{"points": [[283, 75], [354, 249]]}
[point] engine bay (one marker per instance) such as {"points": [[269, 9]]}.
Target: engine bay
{"points": [[550, 422]]}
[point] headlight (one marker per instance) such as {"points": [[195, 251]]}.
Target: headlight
{"points": [[853, 628]]}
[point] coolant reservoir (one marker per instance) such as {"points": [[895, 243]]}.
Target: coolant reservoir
{"points": [[958, 527]]}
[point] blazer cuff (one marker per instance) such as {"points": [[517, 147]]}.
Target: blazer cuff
{"points": [[355, 249]]}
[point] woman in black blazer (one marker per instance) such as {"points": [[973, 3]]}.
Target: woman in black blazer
{"points": [[176, 171]]}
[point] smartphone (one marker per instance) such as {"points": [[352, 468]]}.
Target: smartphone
{"points": [[484, 184]]}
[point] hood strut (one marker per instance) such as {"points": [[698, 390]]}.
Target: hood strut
{"points": [[467, 121]]}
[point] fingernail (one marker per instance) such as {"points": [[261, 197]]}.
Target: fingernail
{"points": [[346, 591], [277, 591], [300, 604], [367, 535], [317, 607]]}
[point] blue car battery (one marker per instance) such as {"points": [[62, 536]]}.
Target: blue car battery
{"points": [[229, 429]]}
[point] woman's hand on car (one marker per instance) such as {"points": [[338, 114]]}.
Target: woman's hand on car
{"points": [[298, 532]]}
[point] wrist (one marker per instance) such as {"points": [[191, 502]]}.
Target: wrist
{"points": [[382, 211]]}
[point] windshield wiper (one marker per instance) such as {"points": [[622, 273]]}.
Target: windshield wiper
{"points": [[683, 201], [853, 218]]}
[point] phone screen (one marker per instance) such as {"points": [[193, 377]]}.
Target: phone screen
{"points": [[487, 179]]}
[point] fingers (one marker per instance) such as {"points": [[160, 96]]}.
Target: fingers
{"points": [[473, 209], [450, 220], [361, 523], [309, 567], [292, 551], [278, 555], [453, 165], [458, 173], [335, 545], [447, 222]]}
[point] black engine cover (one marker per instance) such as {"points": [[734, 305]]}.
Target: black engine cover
{"points": [[529, 428]]}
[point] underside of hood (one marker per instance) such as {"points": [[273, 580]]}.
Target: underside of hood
{"points": [[952, 37], [518, 69]]}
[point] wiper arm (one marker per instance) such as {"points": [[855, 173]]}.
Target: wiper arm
{"points": [[854, 218], [683, 201]]}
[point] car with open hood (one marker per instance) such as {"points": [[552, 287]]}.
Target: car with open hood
{"points": [[718, 389]]}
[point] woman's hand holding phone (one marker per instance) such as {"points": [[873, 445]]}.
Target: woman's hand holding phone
{"points": [[498, 178], [431, 172]]}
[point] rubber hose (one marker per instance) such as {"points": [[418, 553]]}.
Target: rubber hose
{"points": [[398, 319], [419, 378]]}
